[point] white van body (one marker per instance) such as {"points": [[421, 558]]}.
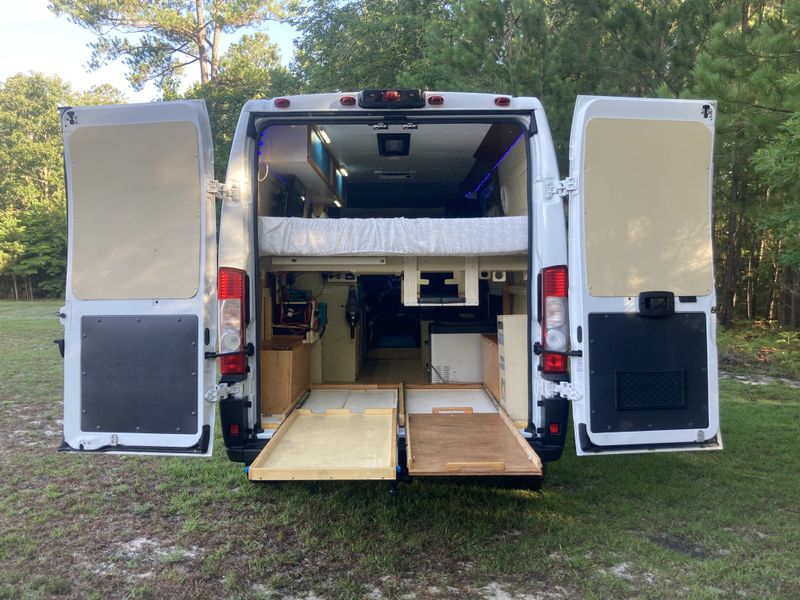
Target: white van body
{"points": [[143, 320]]}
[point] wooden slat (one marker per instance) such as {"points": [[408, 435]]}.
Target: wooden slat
{"points": [[444, 386], [476, 467], [466, 410], [401, 405]]}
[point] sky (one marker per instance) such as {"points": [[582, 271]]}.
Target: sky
{"points": [[34, 39]]}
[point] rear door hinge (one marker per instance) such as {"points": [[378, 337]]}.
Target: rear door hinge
{"points": [[564, 389], [223, 191], [562, 188], [223, 390]]}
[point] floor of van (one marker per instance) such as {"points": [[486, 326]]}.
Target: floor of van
{"points": [[393, 364]]}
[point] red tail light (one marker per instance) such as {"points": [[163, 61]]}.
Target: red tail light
{"points": [[555, 322], [231, 300]]}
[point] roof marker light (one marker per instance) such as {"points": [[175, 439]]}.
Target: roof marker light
{"points": [[502, 101], [347, 100], [282, 103], [435, 100], [391, 96]]}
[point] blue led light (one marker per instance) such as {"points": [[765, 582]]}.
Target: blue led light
{"points": [[487, 177]]}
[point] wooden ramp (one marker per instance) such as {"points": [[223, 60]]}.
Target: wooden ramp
{"points": [[459, 441], [335, 444]]}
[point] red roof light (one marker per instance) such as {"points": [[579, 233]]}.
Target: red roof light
{"points": [[348, 100], [502, 101], [391, 96], [435, 100], [282, 103]]}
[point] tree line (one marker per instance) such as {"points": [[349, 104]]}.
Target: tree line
{"points": [[745, 54]]}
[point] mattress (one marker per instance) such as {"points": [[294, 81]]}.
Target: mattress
{"points": [[489, 236]]}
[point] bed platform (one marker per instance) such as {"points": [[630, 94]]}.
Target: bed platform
{"points": [[488, 236]]}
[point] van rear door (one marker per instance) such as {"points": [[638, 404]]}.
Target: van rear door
{"points": [[641, 275], [141, 279]]}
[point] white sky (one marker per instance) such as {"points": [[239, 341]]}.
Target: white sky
{"points": [[33, 39]]}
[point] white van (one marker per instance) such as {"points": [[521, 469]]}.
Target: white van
{"points": [[393, 289]]}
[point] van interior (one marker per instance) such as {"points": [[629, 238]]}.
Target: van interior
{"points": [[375, 350]]}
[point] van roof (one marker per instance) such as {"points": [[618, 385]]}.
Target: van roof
{"points": [[450, 101]]}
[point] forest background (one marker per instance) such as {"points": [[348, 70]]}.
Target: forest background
{"points": [[745, 54]]}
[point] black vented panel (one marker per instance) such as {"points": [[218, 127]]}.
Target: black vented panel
{"points": [[647, 374], [139, 374], [643, 391]]}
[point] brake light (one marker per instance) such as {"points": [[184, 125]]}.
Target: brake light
{"points": [[435, 100], [282, 103], [391, 96], [230, 297], [555, 321], [502, 101], [348, 100]]}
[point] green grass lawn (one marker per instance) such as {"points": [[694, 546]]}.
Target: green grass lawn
{"points": [[680, 525], [760, 348]]}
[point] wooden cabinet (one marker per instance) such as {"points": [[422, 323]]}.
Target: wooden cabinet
{"points": [[285, 373], [491, 365]]}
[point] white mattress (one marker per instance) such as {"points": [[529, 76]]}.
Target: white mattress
{"points": [[293, 236]]}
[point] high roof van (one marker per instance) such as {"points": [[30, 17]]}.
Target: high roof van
{"points": [[398, 283]]}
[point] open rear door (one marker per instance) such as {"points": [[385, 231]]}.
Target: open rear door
{"points": [[141, 279], [641, 275]]}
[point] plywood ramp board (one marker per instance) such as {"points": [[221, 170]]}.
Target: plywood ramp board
{"points": [[337, 444], [467, 443]]}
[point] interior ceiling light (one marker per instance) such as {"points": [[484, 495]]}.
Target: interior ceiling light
{"points": [[343, 172], [394, 144]]}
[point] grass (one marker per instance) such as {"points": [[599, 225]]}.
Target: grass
{"points": [[679, 525], [760, 347]]}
